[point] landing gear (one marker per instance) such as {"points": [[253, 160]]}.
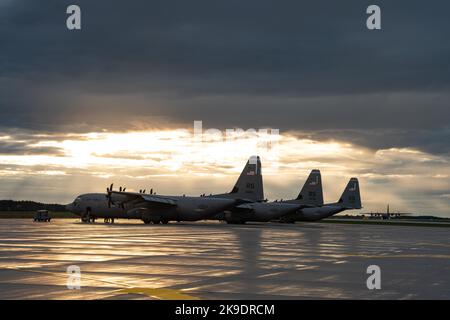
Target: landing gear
{"points": [[87, 218], [155, 221], [235, 221], [108, 220], [287, 221]]}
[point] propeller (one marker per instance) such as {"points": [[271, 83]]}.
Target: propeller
{"points": [[109, 191], [109, 195]]}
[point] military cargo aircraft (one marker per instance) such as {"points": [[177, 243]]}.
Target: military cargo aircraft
{"points": [[311, 195], [350, 199], [152, 208]]}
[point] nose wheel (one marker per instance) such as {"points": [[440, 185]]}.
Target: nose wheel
{"points": [[87, 217]]}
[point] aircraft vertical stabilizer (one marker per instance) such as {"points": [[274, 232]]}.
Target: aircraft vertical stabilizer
{"points": [[351, 198], [249, 185], [311, 193]]}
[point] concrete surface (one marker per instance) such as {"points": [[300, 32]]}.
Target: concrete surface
{"points": [[210, 260]]}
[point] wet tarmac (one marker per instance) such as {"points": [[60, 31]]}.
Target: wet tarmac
{"points": [[210, 260]]}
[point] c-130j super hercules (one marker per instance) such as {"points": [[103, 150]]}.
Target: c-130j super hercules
{"points": [[244, 203], [152, 208]]}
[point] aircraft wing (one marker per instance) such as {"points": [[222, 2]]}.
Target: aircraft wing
{"points": [[121, 198], [159, 200], [302, 205], [238, 200], [245, 206], [308, 206]]}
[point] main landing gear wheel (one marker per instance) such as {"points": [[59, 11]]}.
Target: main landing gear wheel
{"points": [[235, 221], [155, 221], [87, 218]]}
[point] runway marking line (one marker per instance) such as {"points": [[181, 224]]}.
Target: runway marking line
{"points": [[159, 293], [400, 256]]}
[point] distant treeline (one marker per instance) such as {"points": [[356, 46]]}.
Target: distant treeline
{"points": [[403, 216], [11, 205]]}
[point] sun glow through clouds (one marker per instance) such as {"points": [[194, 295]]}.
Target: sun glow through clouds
{"points": [[172, 150], [177, 161]]}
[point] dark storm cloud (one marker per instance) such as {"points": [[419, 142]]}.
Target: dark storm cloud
{"points": [[20, 148], [433, 141], [293, 65]]}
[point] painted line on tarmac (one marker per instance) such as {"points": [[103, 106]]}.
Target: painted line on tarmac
{"points": [[399, 256], [159, 293]]}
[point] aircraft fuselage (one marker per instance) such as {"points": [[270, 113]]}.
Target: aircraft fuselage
{"points": [[314, 213], [186, 209]]}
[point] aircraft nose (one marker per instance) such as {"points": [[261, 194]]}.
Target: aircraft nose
{"points": [[69, 207]]}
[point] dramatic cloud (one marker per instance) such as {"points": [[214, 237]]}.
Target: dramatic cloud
{"points": [[178, 162], [311, 69]]}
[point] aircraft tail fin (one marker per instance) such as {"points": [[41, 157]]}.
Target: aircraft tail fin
{"points": [[312, 193], [249, 185], [351, 198]]}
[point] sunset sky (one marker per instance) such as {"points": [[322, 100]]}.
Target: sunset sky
{"points": [[117, 100]]}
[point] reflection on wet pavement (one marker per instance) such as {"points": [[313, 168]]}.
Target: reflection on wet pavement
{"points": [[217, 261]]}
